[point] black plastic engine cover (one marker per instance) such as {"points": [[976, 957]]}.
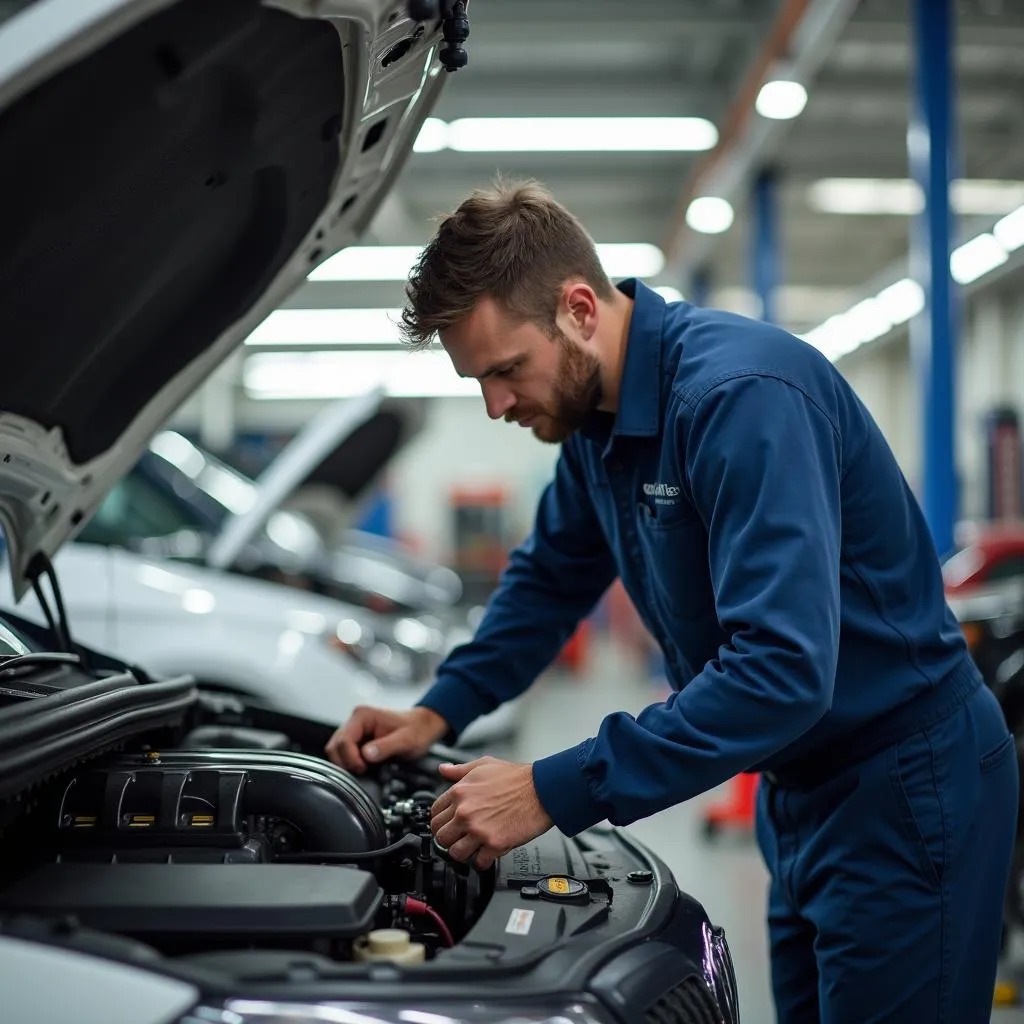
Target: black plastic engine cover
{"points": [[151, 901], [240, 802]]}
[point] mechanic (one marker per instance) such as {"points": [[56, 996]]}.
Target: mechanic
{"points": [[727, 473]]}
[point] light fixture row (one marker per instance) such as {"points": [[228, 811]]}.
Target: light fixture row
{"points": [[873, 317], [567, 135], [346, 327], [395, 262]]}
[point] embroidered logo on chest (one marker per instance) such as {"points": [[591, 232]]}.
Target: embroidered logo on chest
{"points": [[663, 494]]}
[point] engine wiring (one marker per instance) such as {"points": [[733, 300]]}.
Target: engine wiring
{"points": [[419, 908]]}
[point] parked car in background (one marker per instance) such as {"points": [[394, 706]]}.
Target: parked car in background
{"points": [[182, 503], [992, 553]]}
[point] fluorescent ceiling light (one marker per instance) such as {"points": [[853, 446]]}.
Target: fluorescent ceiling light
{"points": [[903, 196], [329, 375], [711, 215], [901, 301], [986, 198], [432, 137], [781, 100], [368, 263], [1009, 231], [868, 319], [328, 327], [631, 259], [568, 135], [668, 293], [834, 338], [975, 258], [865, 195], [394, 262]]}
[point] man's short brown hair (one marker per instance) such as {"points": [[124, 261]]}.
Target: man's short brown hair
{"points": [[513, 243]]}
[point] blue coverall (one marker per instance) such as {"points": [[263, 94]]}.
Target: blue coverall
{"points": [[760, 524]]}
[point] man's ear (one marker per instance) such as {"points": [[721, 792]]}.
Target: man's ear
{"points": [[581, 304]]}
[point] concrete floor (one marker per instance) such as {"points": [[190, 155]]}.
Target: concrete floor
{"points": [[727, 874]]}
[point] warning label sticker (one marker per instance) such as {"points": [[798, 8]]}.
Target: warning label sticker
{"points": [[519, 922]]}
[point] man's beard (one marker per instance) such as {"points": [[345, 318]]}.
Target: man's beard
{"points": [[578, 392]]}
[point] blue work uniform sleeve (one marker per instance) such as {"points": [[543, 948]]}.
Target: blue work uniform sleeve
{"points": [[552, 581], [762, 460]]}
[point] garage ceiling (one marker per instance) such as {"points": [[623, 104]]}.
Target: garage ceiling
{"points": [[691, 58]]}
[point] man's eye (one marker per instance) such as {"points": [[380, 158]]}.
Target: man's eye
{"points": [[508, 370]]}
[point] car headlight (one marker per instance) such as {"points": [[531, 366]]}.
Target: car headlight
{"points": [[250, 1011]]}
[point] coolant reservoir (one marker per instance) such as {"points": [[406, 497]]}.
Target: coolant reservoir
{"points": [[394, 944]]}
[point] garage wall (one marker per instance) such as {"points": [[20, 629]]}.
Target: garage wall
{"points": [[990, 373], [885, 383], [461, 446]]}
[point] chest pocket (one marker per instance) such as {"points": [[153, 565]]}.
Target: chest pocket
{"points": [[675, 548]]}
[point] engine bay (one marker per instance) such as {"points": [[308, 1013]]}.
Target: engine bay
{"points": [[199, 849], [236, 843], [203, 837]]}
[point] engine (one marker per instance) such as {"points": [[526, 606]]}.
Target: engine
{"points": [[197, 850]]}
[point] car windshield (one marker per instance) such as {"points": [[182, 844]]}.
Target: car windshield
{"points": [[178, 490], [230, 492]]}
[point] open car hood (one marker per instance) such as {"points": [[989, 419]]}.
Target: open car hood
{"points": [[344, 449], [181, 167]]}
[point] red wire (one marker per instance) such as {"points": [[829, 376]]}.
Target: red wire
{"points": [[421, 909], [436, 918]]}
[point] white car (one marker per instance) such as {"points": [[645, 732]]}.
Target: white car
{"points": [[285, 648], [208, 157], [182, 502]]}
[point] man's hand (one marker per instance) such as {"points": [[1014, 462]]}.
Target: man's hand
{"points": [[406, 734], [491, 809]]}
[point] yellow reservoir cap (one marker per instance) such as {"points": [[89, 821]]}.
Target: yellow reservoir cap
{"points": [[560, 887]]}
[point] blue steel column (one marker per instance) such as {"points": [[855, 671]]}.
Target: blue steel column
{"points": [[764, 247], [932, 152]]}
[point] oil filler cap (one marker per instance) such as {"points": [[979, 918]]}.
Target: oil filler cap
{"points": [[563, 889]]}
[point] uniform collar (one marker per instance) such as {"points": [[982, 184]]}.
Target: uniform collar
{"points": [[639, 413]]}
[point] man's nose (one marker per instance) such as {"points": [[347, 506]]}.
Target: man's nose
{"points": [[498, 398]]}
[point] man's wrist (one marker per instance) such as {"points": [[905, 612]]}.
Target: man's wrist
{"points": [[456, 703], [434, 725], [563, 790]]}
